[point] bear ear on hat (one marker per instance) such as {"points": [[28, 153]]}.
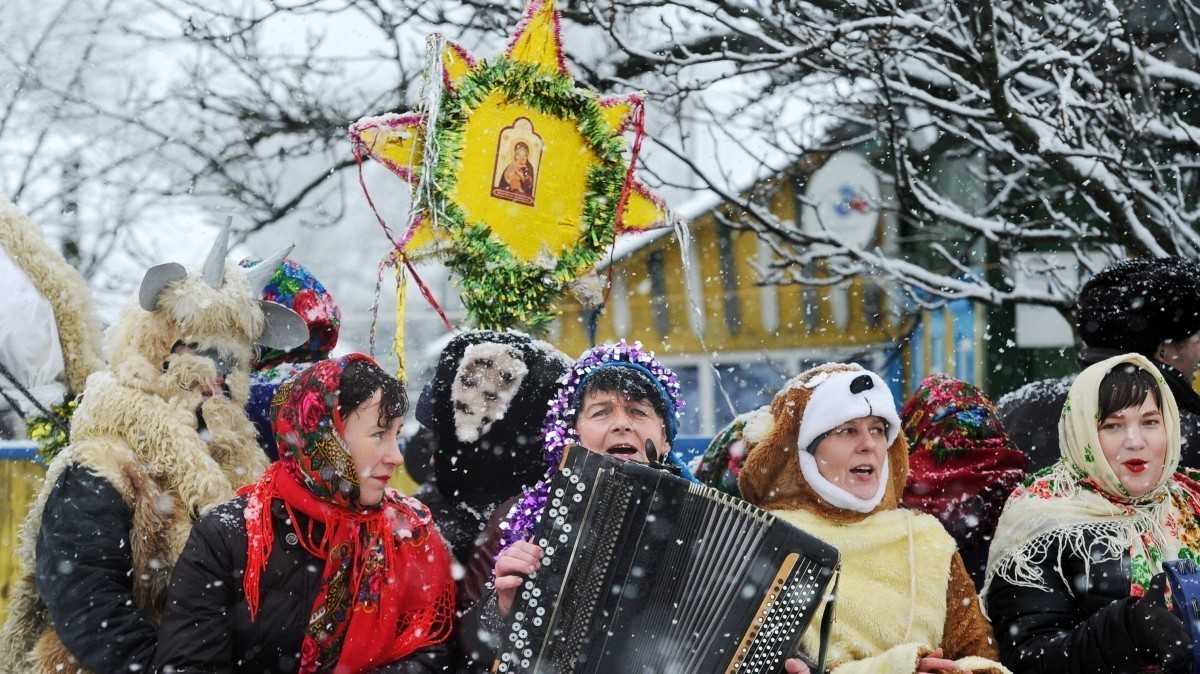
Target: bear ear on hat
{"points": [[770, 444]]}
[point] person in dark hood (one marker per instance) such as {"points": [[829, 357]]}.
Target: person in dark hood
{"points": [[1149, 306], [485, 405]]}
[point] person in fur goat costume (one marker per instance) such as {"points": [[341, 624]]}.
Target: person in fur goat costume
{"points": [[158, 438], [904, 601]]}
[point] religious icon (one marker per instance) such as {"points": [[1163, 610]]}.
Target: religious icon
{"points": [[518, 156]]}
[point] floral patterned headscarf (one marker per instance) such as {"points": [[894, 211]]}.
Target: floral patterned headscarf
{"points": [[1079, 503], [386, 590], [961, 464], [558, 433], [295, 287]]}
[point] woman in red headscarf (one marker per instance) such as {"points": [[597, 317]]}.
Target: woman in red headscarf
{"points": [[319, 566]]}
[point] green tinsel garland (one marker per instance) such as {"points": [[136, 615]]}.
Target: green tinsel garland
{"points": [[499, 290]]}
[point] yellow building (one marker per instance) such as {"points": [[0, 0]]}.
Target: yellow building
{"points": [[20, 479], [732, 341]]}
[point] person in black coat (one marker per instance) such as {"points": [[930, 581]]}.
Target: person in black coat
{"points": [[484, 408], [319, 566], [1074, 582], [1149, 306]]}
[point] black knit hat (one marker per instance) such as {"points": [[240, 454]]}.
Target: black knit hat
{"points": [[486, 403], [1137, 304]]}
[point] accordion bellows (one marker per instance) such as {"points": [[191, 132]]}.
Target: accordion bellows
{"points": [[646, 572]]}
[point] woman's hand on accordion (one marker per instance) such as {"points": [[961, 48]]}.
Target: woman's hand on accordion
{"points": [[512, 565]]}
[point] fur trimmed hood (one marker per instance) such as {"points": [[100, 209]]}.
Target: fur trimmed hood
{"points": [[771, 477]]}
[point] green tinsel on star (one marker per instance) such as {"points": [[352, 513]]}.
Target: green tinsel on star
{"points": [[499, 290]]}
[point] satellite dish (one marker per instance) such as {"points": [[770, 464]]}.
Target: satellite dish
{"points": [[842, 199]]}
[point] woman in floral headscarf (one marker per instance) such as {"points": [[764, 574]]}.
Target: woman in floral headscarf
{"points": [[319, 566], [1069, 573], [961, 464]]}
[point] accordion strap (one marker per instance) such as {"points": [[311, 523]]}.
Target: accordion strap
{"points": [[827, 624]]}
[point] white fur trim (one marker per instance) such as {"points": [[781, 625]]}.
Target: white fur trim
{"points": [[488, 378], [759, 425], [832, 404], [838, 497]]}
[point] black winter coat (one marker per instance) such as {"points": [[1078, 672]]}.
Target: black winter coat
{"points": [[1077, 626], [207, 626], [83, 569]]}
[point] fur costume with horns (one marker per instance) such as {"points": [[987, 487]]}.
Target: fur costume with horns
{"points": [[903, 590], [149, 452]]}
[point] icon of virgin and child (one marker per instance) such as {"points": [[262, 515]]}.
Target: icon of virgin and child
{"points": [[518, 155]]}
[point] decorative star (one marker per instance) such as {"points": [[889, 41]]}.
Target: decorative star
{"points": [[522, 179]]}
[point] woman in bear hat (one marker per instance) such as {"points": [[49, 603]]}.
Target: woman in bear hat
{"points": [[319, 566], [962, 466], [834, 463], [1074, 581]]}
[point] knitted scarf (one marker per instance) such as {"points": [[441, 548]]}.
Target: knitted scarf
{"points": [[386, 589], [1079, 506]]}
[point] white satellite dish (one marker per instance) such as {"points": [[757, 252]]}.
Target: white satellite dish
{"points": [[843, 200]]}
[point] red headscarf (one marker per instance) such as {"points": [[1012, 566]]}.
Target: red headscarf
{"points": [[386, 590], [962, 465]]}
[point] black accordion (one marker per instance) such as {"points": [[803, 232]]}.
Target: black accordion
{"points": [[647, 572]]}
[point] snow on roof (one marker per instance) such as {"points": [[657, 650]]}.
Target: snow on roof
{"points": [[704, 202]]}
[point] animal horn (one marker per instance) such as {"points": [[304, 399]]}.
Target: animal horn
{"points": [[214, 266], [260, 274]]}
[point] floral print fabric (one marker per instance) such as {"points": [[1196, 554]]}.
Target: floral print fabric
{"points": [[386, 588], [1079, 502]]}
